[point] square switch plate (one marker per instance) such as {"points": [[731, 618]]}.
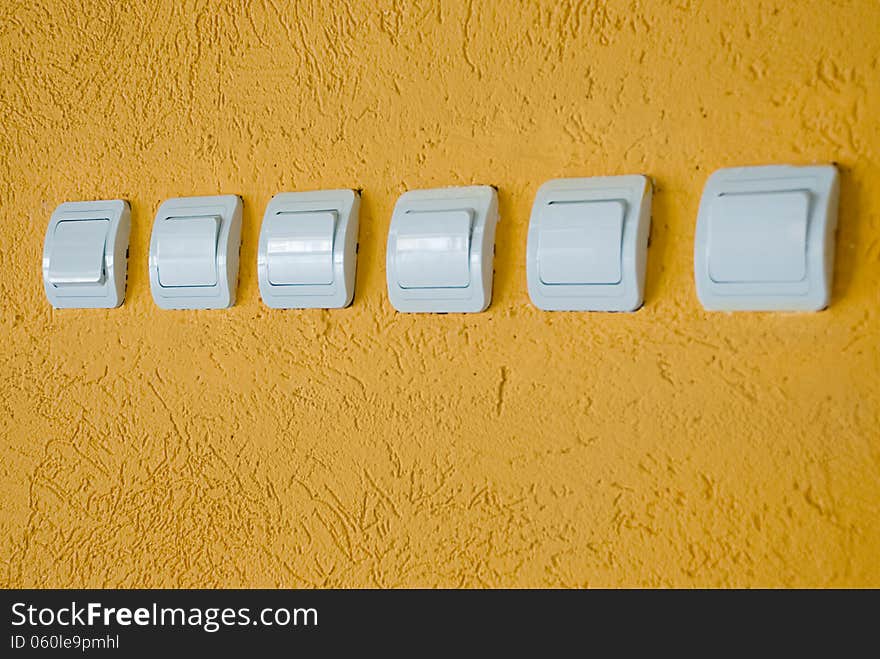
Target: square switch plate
{"points": [[85, 254], [765, 238], [307, 255], [587, 244], [194, 251], [440, 250]]}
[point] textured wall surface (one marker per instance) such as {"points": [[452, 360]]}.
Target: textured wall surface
{"points": [[361, 447]]}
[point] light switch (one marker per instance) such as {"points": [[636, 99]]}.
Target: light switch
{"points": [[440, 250], [77, 253], [587, 244], [433, 249], [85, 254], [186, 253], [300, 248], [765, 238], [579, 243], [780, 218], [194, 252], [307, 254]]}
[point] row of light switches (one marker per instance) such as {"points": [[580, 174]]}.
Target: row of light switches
{"points": [[764, 241]]}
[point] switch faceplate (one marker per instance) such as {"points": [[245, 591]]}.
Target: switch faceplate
{"points": [[587, 244], [307, 255], [765, 238], [440, 250], [194, 252], [85, 254]]}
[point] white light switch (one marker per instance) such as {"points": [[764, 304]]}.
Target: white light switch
{"points": [[780, 218], [587, 244], [307, 254], [765, 238], [194, 252], [186, 252], [433, 249], [440, 250], [85, 254], [579, 243], [77, 253], [300, 248]]}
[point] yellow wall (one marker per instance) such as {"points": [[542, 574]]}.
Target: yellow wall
{"points": [[361, 447]]}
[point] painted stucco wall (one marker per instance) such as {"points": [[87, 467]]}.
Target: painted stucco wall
{"points": [[361, 447]]}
